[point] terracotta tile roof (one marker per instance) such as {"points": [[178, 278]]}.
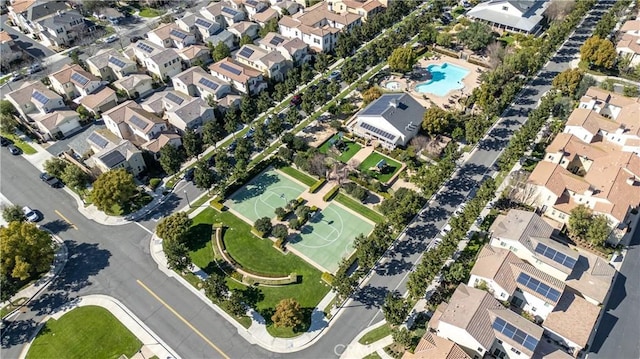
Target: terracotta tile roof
{"points": [[590, 121], [125, 111], [432, 346], [572, 146], [316, 13], [435, 318], [265, 16], [371, 5], [5, 37], [630, 25], [63, 76], [610, 97], [242, 26], [290, 22], [99, 98], [21, 5], [557, 179], [630, 42], [629, 117], [156, 144], [573, 318]]}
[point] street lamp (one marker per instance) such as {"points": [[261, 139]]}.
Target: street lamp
{"points": [[185, 194]]}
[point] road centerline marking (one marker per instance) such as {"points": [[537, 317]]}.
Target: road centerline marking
{"points": [[194, 329], [66, 219]]}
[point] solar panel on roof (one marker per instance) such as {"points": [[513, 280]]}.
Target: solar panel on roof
{"points": [[138, 122], [538, 287], [179, 34], [229, 11], [521, 337], [116, 61], [40, 97], [144, 47], [556, 256], [210, 84], [174, 98], [246, 52], [377, 131], [277, 40], [376, 108], [98, 140], [203, 22], [79, 78], [231, 69]]}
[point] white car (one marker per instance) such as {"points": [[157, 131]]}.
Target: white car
{"points": [[30, 214], [445, 229], [110, 39], [460, 209]]}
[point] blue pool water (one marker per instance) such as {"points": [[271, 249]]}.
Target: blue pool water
{"points": [[444, 78]]}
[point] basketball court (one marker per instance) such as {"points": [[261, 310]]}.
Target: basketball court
{"points": [[328, 236], [263, 194]]}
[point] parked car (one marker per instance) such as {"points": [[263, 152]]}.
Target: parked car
{"points": [[446, 229], [31, 215], [111, 38], [334, 76], [16, 77], [34, 68], [232, 146], [4, 141], [296, 100], [50, 180], [14, 150], [250, 133], [135, 38], [189, 174]]}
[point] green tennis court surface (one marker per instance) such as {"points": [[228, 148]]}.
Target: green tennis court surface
{"points": [[263, 194], [328, 236]]}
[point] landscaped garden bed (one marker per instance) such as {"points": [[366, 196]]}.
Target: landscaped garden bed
{"points": [[380, 167]]}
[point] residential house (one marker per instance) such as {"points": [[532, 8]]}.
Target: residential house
{"points": [[165, 64], [135, 85], [364, 8], [530, 237], [244, 28], [111, 14], [432, 346], [294, 50], [199, 26], [73, 81], [130, 121], [166, 138], [511, 279], [62, 28], [223, 13], [286, 7], [190, 114], [481, 326], [141, 50], [523, 16], [57, 124], [9, 50], [110, 65], [34, 98], [26, 13], [317, 26], [253, 7], [100, 101], [243, 78], [197, 82], [229, 101], [223, 36], [629, 43], [262, 18], [171, 35], [271, 63], [195, 55], [392, 120], [123, 155]]}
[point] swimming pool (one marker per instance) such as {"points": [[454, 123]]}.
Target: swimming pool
{"points": [[444, 79], [392, 85]]}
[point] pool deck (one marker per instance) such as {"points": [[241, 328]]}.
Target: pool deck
{"points": [[450, 100]]}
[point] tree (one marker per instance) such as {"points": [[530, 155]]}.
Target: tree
{"points": [[598, 52], [247, 109], [455, 273], [280, 231], [371, 95], [264, 102], [235, 305], [444, 39], [171, 159], [83, 112], [496, 53], [7, 108], [435, 120], [599, 230], [231, 121], [223, 163], [263, 225], [580, 219], [245, 40], [321, 62], [13, 213], [115, 187], [8, 123], [567, 81], [395, 308], [215, 287], [9, 287], [220, 52], [55, 166], [402, 336], [74, 177], [476, 36], [26, 250], [211, 133], [402, 59], [558, 9], [270, 26], [343, 283], [192, 143], [288, 314], [175, 227], [202, 176], [177, 255], [428, 35]]}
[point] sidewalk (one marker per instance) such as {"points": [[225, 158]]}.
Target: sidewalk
{"points": [[151, 343], [355, 350]]}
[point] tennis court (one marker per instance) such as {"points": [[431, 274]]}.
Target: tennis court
{"points": [[328, 236], [263, 194]]}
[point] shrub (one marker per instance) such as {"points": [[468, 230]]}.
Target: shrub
{"points": [[257, 233], [295, 223], [263, 225], [280, 231], [446, 52], [329, 195], [316, 186], [279, 243], [327, 277], [154, 182], [215, 203]]}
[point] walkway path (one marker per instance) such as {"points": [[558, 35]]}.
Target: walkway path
{"points": [[355, 350]]}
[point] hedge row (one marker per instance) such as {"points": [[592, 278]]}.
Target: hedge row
{"points": [[316, 186], [446, 52], [215, 203], [332, 192], [479, 63], [327, 277], [257, 233], [291, 279]]}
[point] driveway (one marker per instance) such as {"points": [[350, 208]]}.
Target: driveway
{"points": [[31, 46]]}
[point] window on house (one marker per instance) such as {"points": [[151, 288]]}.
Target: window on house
{"points": [[505, 8], [550, 158], [515, 351]]}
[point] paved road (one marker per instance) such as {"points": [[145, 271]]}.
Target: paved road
{"points": [[617, 335], [31, 46]]}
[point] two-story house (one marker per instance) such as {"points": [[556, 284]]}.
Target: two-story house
{"points": [[243, 78], [110, 65], [244, 28], [629, 43], [195, 55], [164, 139], [8, 48], [171, 35], [57, 124], [511, 15], [62, 28], [135, 85], [271, 63], [123, 155], [364, 8], [99, 101], [199, 26], [33, 98], [262, 18], [293, 49], [252, 7], [26, 13], [164, 64], [130, 121], [197, 82], [73, 81], [223, 13], [190, 114]]}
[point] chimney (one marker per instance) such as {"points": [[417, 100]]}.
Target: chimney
{"points": [[620, 129], [631, 181], [393, 103]]}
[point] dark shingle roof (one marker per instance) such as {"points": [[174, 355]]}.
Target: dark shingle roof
{"points": [[113, 158], [399, 109]]}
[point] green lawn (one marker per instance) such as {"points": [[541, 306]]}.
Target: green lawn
{"points": [[25, 147], [373, 355], [353, 204], [4, 79], [149, 12], [300, 176], [375, 335], [256, 255], [345, 156], [372, 160], [11, 306], [84, 332]]}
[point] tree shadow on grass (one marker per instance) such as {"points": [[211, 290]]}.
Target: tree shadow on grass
{"points": [[198, 236]]}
